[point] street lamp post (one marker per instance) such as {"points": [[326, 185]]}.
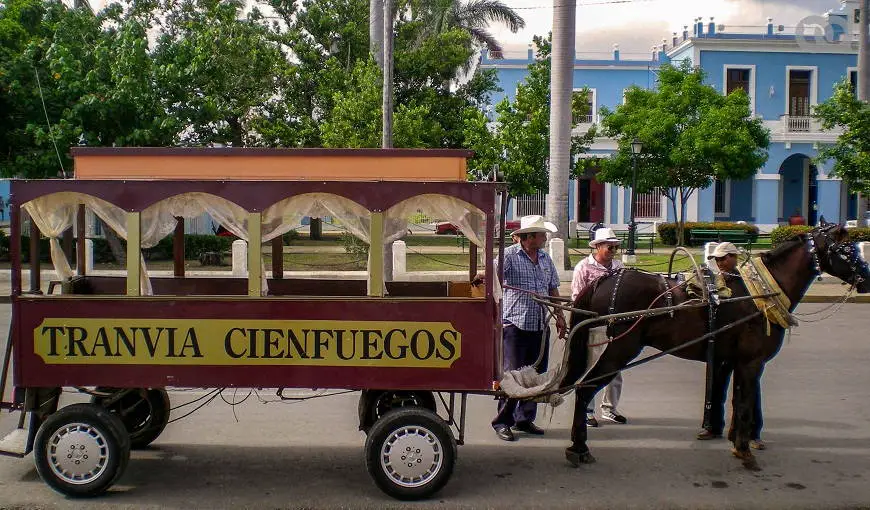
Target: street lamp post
{"points": [[636, 148]]}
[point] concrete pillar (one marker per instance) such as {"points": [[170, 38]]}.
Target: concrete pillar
{"points": [[400, 266], [240, 258], [572, 229], [89, 256], [556, 251], [864, 250]]}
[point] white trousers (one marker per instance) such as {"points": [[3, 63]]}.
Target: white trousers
{"points": [[610, 396]]}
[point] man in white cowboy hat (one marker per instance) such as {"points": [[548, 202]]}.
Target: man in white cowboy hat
{"points": [[599, 263], [528, 270]]}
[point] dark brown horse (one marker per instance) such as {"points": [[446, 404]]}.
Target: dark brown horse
{"points": [[746, 347]]}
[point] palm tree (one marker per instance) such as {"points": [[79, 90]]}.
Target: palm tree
{"points": [[376, 31], [473, 16], [561, 84]]}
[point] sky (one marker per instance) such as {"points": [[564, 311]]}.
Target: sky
{"points": [[639, 24]]}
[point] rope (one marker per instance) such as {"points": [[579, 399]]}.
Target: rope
{"points": [[838, 304]]}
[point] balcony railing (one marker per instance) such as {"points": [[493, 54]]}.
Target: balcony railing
{"points": [[800, 124], [582, 119]]}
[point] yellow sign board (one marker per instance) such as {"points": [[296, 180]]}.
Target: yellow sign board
{"points": [[69, 341]]}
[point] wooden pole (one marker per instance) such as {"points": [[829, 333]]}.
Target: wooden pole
{"points": [[35, 285], [178, 248], [278, 257], [81, 230]]}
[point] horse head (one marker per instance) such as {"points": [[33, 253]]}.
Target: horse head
{"points": [[836, 255]]}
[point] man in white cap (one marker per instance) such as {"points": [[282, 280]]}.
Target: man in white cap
{"points": [[528, 270], [725, 255], [596, 265]]}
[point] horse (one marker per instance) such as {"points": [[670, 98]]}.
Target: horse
{"points": [[746, 346]]}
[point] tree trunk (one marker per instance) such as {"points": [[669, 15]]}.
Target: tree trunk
{"points": [[114, 242], [387, 135], [376, 31], [561, 86], [863, 82]]}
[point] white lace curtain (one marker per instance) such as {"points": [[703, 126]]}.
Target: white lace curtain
{"points": [[55, 213]]}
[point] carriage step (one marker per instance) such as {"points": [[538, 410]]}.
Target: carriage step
{"points": [[15, 443]]}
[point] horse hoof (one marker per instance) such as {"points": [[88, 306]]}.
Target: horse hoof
{"points": [[578, 458], [751, 464], [742, 455]]}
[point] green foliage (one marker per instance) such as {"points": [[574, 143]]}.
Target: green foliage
{"points": [[860, 234], [524, 128], [691, 135], [851, 151], [354, 246], [668, 231], [786, 232]]}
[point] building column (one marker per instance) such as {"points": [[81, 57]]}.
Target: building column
{"points": [[829, 191], [766, 199]]}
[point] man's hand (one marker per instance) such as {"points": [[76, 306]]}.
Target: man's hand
{"points": [[561, 327]]}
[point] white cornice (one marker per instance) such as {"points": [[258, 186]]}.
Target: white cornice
{"points": [[767, 45]]}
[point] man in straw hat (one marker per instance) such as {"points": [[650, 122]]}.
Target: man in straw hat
{"points": [[528, 270], [599, 263], [725, 255]]}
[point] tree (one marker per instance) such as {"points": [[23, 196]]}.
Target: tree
{"points": [[561, 85], [691, 135], [219, 70], [851, 152], [472, 17], [523, 131], [69, 77]]}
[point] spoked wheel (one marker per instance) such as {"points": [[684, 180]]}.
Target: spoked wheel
{"points": [[144, 412], [374, 404], [81, 450], [410, 453]]}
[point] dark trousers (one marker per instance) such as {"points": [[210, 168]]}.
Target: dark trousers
{"points": [[714, 419], [521, 348]]}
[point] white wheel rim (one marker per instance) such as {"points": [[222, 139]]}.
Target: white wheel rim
{"points": [[77, 453], [411, 456]]}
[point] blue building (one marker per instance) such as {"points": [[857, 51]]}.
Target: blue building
{"points": [[785, 75]]}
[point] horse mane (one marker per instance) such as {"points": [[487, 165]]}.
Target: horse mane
{"points": [[774, 255]]}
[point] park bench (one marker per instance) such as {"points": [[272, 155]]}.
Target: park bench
{"points": [[738, 237], [641, 239]]}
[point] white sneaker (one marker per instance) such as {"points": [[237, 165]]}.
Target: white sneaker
{"points": [[610, 415]]}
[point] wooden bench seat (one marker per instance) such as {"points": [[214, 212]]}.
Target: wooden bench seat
{"points": [[738, 237]]}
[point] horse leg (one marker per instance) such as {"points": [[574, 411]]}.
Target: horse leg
{"points": [[578, 452], [745, 388]]}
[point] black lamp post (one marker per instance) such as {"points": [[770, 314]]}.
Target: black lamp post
{"points": [[636, 147]]}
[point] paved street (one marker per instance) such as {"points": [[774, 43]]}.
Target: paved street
{"points": [[310, 455]]}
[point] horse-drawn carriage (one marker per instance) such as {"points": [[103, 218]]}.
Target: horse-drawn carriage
{"points": [[416, 349], [123, 338]]}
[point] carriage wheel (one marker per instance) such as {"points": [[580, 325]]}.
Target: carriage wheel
{"points": [[374, 404], [81, 450], [410, 453], [144, 412]]}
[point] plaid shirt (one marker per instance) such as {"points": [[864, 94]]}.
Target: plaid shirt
{"points": [[519, 271]]}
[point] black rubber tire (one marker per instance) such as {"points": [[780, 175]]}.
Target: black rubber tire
{"points": [[104, 428], [412, 427], [374, 404], [146, 417]]}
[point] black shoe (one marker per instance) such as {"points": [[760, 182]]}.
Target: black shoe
{"points": [[615, 417], [707, 434], [591, 421], [504, 433], [530, 428]]}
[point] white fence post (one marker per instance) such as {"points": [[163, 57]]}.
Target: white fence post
{"points": [[708, 250], [240, 258], [89, 256], [400, 266], [864, 250]]}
